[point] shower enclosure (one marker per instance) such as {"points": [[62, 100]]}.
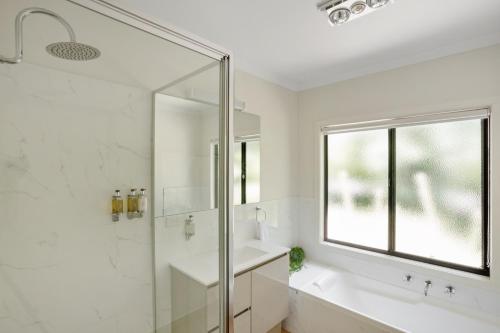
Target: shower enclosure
{"points": [[82, 84]]}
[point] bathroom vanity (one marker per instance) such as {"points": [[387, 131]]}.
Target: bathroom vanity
{"points": [[260, 290]]}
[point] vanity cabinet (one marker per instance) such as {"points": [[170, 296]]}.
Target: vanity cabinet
{"points": [[242, 300], [242, 323], [260, 300], [269, 295]]}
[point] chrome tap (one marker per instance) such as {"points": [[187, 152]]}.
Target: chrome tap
{"points": [[450, 290], [408, 278], [428, 285], [189, 227]]}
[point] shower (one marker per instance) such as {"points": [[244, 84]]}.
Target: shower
{"points": [[70, 50]]}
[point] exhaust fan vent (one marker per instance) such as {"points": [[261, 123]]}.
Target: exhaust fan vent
{"points": [[342, 11]]}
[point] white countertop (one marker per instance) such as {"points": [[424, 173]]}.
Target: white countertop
{"points": [[204, 268]]}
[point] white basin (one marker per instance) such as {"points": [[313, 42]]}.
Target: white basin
{"points": [[246, 254], [204, 267]]}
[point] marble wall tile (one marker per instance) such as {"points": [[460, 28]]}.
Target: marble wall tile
{"points": [[66, 142]]}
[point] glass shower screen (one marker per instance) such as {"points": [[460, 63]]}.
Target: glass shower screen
{"points": [[76, 125], [187, 131]]}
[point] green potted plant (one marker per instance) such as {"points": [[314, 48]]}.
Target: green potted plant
{"points": [[297, 256]]}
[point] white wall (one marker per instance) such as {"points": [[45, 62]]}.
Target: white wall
{"points": [[453, 83], [278, 109], [66, 143], [279, 188]]}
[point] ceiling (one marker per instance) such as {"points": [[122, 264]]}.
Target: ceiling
{"points": [[290, 43]]}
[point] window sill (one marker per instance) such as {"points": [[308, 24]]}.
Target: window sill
{"points": [[407, 264]]}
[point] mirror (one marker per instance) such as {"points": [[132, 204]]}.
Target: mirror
{"points": [[246, 160], [186, 155]]}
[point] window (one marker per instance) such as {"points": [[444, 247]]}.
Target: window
{"points": [[414, 190], [357, 188]]}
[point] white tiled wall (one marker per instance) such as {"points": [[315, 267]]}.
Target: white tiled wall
{"points": [[66, 142]]}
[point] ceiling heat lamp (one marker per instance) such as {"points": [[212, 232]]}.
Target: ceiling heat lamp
{"points": [[342, 11]]}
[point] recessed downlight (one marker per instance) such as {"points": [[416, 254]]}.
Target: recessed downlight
{"points": [[377, 3], [358, 7], [339, 16]]}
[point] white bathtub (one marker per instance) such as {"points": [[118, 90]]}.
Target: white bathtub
{"points": [[328, 301]]}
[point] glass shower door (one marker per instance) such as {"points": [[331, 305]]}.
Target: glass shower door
{"points": [[189, 207], [76, 129]]}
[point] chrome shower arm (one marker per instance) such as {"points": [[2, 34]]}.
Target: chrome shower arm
{"points": [[19, 31]]}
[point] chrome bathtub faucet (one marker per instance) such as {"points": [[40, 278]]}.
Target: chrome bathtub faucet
{"points": [[428, 285], [408, 278], [189, 227], [450, 290]]}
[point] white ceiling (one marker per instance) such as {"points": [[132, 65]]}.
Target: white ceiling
{"points": [[290, 43]]}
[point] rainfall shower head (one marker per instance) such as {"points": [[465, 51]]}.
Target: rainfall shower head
{"points": [[71, 50]]}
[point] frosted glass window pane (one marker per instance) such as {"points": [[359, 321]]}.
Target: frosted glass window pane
{"points": [[439, 192], [237, 173], [252, 171], [358, 188]]}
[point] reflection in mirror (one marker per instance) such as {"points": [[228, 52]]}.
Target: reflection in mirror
{"points": [[186, 155], [246, 160], [183, 136]]}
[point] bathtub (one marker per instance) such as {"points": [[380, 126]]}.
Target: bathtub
{"points": [[324, 300]]}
